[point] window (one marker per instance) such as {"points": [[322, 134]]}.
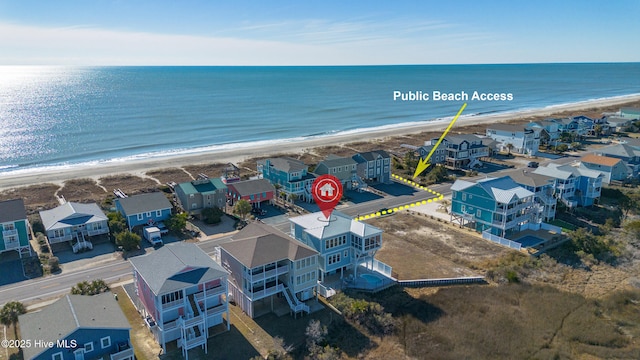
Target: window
{"points": [[158, 213], [462, 208], [88, 347], [478, 213], [464, 197], [79, 354], [140, 217], [345, 253], [105, 342], [148, 214], [57, 356]]}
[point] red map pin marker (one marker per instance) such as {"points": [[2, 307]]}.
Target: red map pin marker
{"points": [[327, 192]]}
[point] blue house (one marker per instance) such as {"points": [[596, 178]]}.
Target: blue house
{"points": [[291, 175], [144, 209], [343, 243], [497, 205], [14, 228], [77, 327]]}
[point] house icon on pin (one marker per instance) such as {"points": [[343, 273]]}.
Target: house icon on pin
{"points": [[327, 190]]}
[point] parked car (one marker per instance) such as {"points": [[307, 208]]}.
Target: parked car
{"points": [[258, 211], [533, 164]]}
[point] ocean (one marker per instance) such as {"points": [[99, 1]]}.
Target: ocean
{"points": [[77, 116]]}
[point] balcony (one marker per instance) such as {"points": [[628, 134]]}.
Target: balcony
{"points": [[267, 292], [55, 240], [97, 232], [122, 355], [9, 233], [8, 245], [216, 309], [172, 304], [280, 270]]}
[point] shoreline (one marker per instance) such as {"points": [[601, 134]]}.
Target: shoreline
{"points": [[60, 174]]}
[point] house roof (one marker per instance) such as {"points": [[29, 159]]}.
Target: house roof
{"points": [[287, 164], [68, 314], [259, 244], [621, 150], [70, 214], [502, 189], [317, 225], [459, 138], [372, 155], [12, 210], [176, 266], [566, 171], [142, 203], [600, 160], [529, 178], [250, 187], [202, 186], [506, 127], [333, 161]]}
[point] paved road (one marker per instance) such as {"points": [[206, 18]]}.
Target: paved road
{"points": [[44, 289]]}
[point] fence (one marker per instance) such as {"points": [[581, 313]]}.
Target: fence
{"points": [[442, 282], [378, 266], [500, 240], [543, 226]]}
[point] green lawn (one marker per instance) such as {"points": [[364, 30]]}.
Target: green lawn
{"points": [[563, 224]]}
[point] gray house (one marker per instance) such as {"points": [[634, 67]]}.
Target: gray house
{"points": [[344, 168], [79, 327], [201, 194], [462, 151], [74, 222], [182, 293], [374, 166]]}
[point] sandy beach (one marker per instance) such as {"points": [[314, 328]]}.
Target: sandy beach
{"points": [[140, 167]]}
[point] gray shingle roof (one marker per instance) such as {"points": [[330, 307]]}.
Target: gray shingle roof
{"points": [[12, 210], [250, 187], [69, 313], [337, 161], [506, 127], [287, 164], [176, 266], [70, 214], [527, 177], [372, 155], [260, 244], [142, 203]]}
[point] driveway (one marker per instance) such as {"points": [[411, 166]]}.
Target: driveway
{"points": [[10, 268]]}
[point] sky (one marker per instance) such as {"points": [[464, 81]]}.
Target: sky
{"points": [[330, 32]]}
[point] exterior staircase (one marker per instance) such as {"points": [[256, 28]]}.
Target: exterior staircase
{"points": [[295, 304], [81, 243]]}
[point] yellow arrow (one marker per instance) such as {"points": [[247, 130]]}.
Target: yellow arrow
{"points": [[423, 163]]}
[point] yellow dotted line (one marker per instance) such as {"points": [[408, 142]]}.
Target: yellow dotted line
{"points": [[404, 207]]}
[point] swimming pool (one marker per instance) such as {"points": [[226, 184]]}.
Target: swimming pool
{"points": [[371, 279], [529, 241]]}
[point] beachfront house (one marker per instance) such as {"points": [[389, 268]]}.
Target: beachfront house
{"points": [[617, 123], [290, 176], [14, 227], [344, 168], [256, 191], [496, 205], [542, 188], [144, 209], [343, 243], [196, 195], [463, 151], [612, 168], [264, 264], [182, 294], [573, 185], [519, 139], [74, 222], [77, 327], [549, 131], [374, 166], [630, 113]]}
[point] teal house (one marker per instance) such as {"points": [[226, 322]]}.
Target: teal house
{"points": [[497, 205], [14, 226], [196, 195], [288, 175]]}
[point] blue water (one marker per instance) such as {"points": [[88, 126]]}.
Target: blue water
{"points": [[78, 115]]}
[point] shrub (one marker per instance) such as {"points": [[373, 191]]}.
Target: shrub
{"points": [[37, 227], [177, 222], [54, 264], [90, 288], [128, 240], [212, 215]]}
